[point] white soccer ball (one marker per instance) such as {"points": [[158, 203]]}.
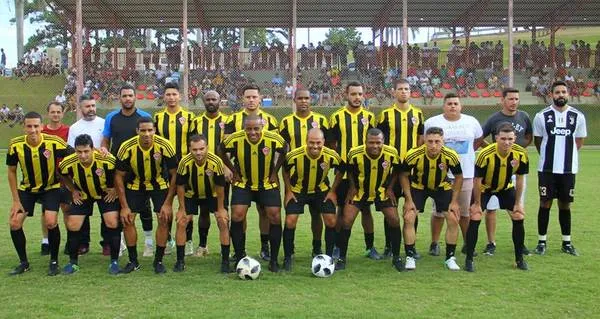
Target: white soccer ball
{"points": [[248, 268], [323, 266]]}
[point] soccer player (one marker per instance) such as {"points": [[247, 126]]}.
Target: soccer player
{"points": [[252, 98], [494, 168], [145, 156], [425, 170], [119, 126], [402, 125], [36, 154], [175, 124], [258, 156], [294, 128], [523, 130], [201, 184], [347, 129], [461, 132], [372, 170], [89, 176], [211, 125], [559, 131], [306, 183]]}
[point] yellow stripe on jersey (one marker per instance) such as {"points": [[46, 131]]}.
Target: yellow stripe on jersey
{"points": [[308, 175], [496, 171], [372, 176], [212, 128], [294, 129], [349, 129], [235, 121], [200, 180], [431, 173], [93, 180], [175, 127], [402, 128]]}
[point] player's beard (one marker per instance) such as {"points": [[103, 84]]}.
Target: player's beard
{"points": [[560, 102], [212, 108]]}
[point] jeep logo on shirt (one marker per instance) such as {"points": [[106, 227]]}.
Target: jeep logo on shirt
{"points": [[560, 131]]}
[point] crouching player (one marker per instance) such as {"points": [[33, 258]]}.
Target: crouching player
{"points": [[89, 175], [201, 183]]}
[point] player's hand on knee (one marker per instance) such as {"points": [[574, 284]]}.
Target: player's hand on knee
{"points": [[16, 209], [126, 216], [518, 209], [288, 197], [332, 196], [181, 217], [475, 211], [390, 194]]}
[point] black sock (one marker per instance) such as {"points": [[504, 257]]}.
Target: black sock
{"points": [[395, 235], [316, 244], [160, 252], [369, 240], [416, 223], [146, 218], [564, 218], [329, 240], [225, 253], [85, 231], [237, 234], [73, 238], [203, 236], [472, 234], [180, 252], [189, 230], [54, 242], [275, 240], [113, 237], [518, 237], [19, 241], [132, 252], [264, 241], [543, 220], [288, 241], [409, 250], [344, 237], [169, 227], [450, 249]]}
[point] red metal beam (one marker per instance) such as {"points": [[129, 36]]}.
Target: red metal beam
{"points": [[200, 15]]}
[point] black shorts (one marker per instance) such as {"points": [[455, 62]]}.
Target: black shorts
{"points": [[64, 197], [442, 198], [561, 186], [87, 208], [193, 205], [379, 204], [341, 191], [49, 199], [266, 198], [137, 199], [506, 199], [314, 202]]}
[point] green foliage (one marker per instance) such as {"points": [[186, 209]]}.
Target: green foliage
{"points": [[255, 35], [342, 36]]}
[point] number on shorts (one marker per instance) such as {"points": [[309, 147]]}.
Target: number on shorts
{"points": [[543, 191], [572, 192]]}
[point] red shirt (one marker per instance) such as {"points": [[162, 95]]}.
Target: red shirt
{"points": [[62, 131]]}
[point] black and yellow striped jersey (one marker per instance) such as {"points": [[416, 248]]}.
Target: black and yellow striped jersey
{"points": [[38, 163], [496, 171], [200, 180], [372, 175], [235, 121], [402, 128], [294, 129], [93, 180], [349, 129], [212, 128], [254, 162], [146, 166], [431, 173], [308, 175], [175, 127]]}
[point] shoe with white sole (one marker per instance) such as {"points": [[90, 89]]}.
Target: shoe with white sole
{"points": [[148, 250], [189, 248], [170, 247], [201, 251], [411, 263], [451, 264]]}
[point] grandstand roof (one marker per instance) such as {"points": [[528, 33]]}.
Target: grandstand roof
{"points": [[105, 14]]}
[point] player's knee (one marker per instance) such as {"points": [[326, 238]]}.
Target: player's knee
{"points": [[409, 218], [476, 216], [330, 222], [393, 221], [222, 222], [182, 222], [16, 224], [451, 220], [564, 205], [517, 216]]}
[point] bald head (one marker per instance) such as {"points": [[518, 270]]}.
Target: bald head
{"points": [[315, 139], [211, 101], [315, 133]]}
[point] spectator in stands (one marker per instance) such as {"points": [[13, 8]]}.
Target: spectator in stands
{"points": [[4, 111], [325, 95], [427, 92], [533, 83], [597, 88], [60, 97], [2, 61], [413, 81], [289, 91], [570, 79], [543, 91], [277, 80]]}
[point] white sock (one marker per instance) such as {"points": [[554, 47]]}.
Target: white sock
{"points": [[542, 237], [45, 241], [148, 235], [566, 237]]}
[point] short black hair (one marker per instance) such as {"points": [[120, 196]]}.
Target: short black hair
{"points": [[301, 90], [172, 85], [353, 83], [85, 97], [558, 83], [374, 131], [62, 107], [33, 115], [84, 140], [144, 119], [509, 90], [450, 95], [126, 87], [400, 81], [505, 127], [250, 87], [197, 138], [435, 130]]}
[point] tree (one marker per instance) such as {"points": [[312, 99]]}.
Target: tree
{"points": [[349, 37], [255, 35]]}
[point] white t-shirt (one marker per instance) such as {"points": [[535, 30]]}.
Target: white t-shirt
{"points": [[92, 128], [459, 135]]}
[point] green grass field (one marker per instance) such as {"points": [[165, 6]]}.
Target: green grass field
{"points": [[557, 286]]}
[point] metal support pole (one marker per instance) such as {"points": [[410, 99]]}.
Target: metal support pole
{"points": [[293, 58], [511, 71], [404, 39], [79, 53], [186, 64], [19, 11]]}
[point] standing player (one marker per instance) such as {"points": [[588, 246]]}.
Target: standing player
{"points": [[57, 128], [258, 156], [306, 183], [294, 128], [402, 125], [235, 122], [559, 131], [145, 156], [494, 168], [523, 130], [119, 126], [211, 125], [348, 129], [201, 184], [460, 134], [89, 176], [175, 124], [372, 170], [36, 154], [426, 175]]}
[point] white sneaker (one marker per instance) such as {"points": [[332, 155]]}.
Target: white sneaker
{"points": [[201, 251], [148, 250], [170, 247], [189, 248], [411, 263], [451, 264]]}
